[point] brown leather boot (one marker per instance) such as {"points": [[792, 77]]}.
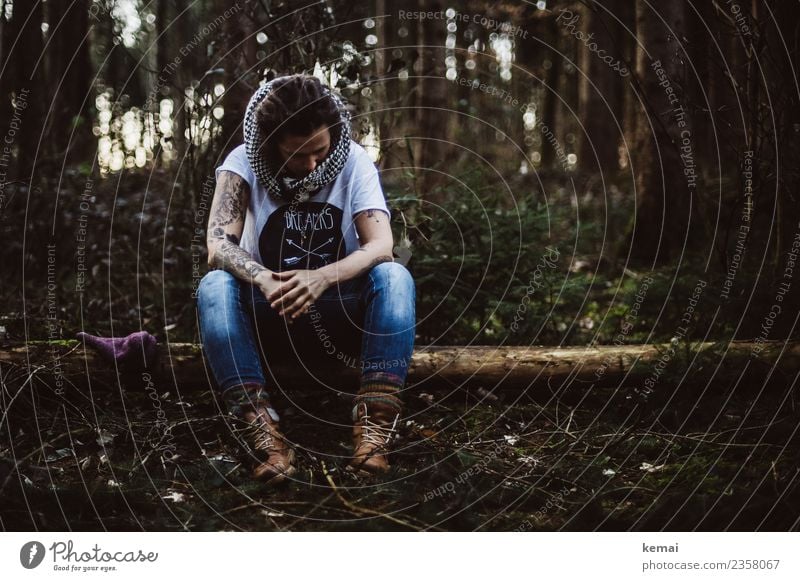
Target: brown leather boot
{"points": [[258, 430], [374, 426]]}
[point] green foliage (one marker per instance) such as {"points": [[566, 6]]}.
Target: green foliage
{"points": [[476, 258]]}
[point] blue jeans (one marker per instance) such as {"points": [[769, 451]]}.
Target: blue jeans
{"points": [[375, 312]]}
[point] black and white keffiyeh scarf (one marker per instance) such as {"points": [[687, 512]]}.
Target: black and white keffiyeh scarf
{"points": [[267, 171]]}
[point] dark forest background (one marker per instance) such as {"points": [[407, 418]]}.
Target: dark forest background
{"points": [[114, 114], [613, 173]]}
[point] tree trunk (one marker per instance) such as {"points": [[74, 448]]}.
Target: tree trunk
{"points": [[7, 37], [550, 115], [183, 30], [432, 116], [70, 78], [664, 194], [29, 74], [600, 91], [787, 146], [238, 48]]}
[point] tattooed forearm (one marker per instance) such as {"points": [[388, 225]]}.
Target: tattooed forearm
{"points": [[231, 257], [225, 227], [230, 209], [218, 233]]}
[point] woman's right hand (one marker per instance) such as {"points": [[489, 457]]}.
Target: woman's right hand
{"points": [[266, 283]]}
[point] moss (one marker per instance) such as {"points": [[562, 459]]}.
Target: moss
{"points": [[62, 343]]}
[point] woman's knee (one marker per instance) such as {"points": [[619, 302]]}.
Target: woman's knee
{"points": [[214, 287], [392, 274]]}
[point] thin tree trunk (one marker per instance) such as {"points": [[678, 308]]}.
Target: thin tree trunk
{"points": [[238, 88], [600, 90], [548, 123], [182, 32], [29, 76], [663, 193], [432, 117], [71, 76], [8, 68]]}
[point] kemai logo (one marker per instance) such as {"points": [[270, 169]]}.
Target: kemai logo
{"points": [[31, 554]]}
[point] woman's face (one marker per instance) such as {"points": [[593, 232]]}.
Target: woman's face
{"points": [[300, 154]]}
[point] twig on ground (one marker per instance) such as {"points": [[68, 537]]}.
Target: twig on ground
{"points": [[357, 509]]}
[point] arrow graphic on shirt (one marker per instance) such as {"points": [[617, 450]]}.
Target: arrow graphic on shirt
{"points": [[295, 259], [296, 245]]}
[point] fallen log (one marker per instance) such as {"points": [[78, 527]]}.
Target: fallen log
{"points": [[183, 364]]}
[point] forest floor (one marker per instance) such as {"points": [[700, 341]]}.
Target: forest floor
{"points": [[465, 460]]}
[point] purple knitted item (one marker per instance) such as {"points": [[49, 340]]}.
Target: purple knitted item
{"points": [[137, 351]]}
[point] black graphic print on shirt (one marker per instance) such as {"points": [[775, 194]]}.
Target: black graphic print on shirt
{"points": [[304, 236]]}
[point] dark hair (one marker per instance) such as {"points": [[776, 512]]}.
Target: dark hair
{"points": [[297, 105]]}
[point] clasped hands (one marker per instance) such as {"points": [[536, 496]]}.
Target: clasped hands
{"points": [[292, 292]]}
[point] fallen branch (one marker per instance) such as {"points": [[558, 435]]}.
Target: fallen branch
{"points": [[184, 365]]}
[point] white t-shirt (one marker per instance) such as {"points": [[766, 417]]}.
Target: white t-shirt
{"points": [[311, 234]]}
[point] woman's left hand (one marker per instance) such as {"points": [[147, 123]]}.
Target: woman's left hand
{"points": [[297, 292]]}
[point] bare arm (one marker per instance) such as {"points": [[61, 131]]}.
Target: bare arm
{"points": [[375, 237], [225, 227]]}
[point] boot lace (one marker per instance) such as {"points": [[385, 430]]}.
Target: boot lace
{"points": [[257, 432], [376, 434]]}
